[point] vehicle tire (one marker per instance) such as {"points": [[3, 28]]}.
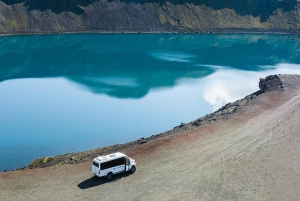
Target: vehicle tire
{"points": [[109, 176], [133, 169]]}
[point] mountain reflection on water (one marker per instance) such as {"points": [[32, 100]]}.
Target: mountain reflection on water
{"points": [[128, 65], [65, 93]]}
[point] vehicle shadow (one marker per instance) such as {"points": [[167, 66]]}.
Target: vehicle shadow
{"points": [[96, 181]]}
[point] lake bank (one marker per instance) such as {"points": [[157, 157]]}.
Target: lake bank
{"points": [[251, 154], [180, 31], [271, 83]]}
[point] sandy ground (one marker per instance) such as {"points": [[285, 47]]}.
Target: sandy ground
{"points": [[254, 155]]}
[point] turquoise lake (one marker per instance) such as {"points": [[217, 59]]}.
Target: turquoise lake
{"points": [[71, 93]]}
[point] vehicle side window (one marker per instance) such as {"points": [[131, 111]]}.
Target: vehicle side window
{"points": [[112, 163], [106, 165], [95, 164], [121, 161]]}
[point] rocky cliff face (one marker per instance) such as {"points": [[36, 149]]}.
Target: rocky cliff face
{"points": [[46, 16]]}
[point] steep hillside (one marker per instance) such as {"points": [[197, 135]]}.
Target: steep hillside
{"points": [[46, 16]]}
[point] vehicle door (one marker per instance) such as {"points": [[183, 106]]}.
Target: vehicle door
{"points": [[119, 165]]}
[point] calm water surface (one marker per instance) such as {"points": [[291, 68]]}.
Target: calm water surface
{"points": [[70, 93]]}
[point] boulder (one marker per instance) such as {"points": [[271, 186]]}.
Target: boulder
{"points": [[270, 83]]}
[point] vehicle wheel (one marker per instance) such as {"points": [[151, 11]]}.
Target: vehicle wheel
{"points": [[109, 176], [133, 169]]}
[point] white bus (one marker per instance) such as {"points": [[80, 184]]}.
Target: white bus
{"points": [[107, 166]]}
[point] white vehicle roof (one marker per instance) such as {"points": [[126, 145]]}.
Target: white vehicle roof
{"points": [[109, 157]]}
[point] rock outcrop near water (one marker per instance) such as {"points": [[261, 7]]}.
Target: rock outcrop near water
{"points": [[270, 83], [47, 16]]}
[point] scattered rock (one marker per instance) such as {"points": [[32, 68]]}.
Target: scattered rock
{"points": [[5, 170], [181, 125], [22, 168], [196, 124], [143, 142]]}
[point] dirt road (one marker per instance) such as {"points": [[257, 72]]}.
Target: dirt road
{"points": [[253, 155]]}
